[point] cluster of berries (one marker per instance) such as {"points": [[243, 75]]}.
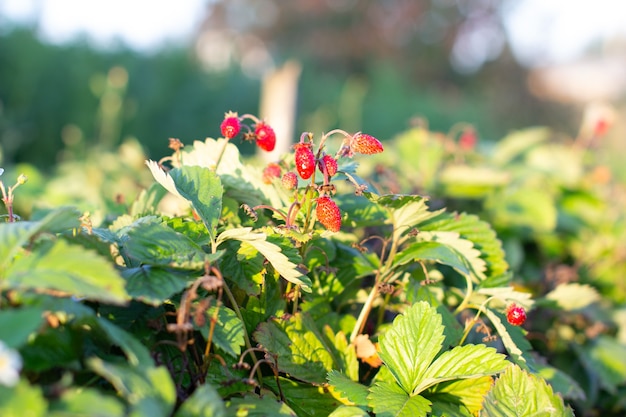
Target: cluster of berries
{"points": [[306, 160], [260, 132]]}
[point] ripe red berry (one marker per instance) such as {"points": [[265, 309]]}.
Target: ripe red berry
{"points": [[365, 144], [271, 171], [290, 180], [265, 137], [516, 315], [305, 160], [468, 139], [328, 213], [330, 163], [231, 125]]}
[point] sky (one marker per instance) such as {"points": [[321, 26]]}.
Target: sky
{"points": [[540, 31]]}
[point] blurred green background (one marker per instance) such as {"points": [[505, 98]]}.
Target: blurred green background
{"points": [[379, 67]]}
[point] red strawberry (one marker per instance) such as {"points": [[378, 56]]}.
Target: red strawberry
{"points": [[305, 160], [265, 137], [516, 315], [271, 171], [365, 144], [468, 139], [328, 213], [330, 163], [231, 125], [290, 180]]}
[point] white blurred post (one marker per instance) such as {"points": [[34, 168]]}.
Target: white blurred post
{"points": [[279, 93]]}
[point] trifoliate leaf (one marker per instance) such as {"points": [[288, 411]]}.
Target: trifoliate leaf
{"points": [[468, 361], [203, 188], [517, 393], [573, 296], [411, 344], [391, 400]]}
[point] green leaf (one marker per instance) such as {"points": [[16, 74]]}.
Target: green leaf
{"points": [[477, 231], [561, 382], [468, 393], [389, 400], [433, 251], [512, 337], [468, 361], [299, 347], [13, 236], [159, 244], [253, 406], [14, 401], [68, 269], [303, 398], [80, 402], [229, 333], [203, 188], [517, 143], [152, 284], [411, 344], [349, 389], [525, 208], [604, 358], [517, 393], [407, 211], [18, 324], [204, 402], [464, 181], [272, 252], [148, 390], [573, 296], [348, 411]]}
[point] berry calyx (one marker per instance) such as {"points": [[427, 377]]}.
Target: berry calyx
{"points": [[328, 213], [231, 125], [515, 315], [265, 137], [290, 180], [330, 163], [305, 160], [271, 171], [365, 144]]}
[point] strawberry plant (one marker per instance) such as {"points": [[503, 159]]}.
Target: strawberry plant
{"points": [[231, 288]]}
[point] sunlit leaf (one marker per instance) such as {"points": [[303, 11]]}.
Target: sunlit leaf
{"points": [[517, 393], [391, 400], [573, 296], [254, 406], [347, 388], [299, 347], [203, 188], [228, 334], [68, 270], [303, 398], [468, 393], [80, 403], [516, 143], [468, 361], [436, 252], [14, 401], [512, 337], [348, 411], [411, 343]]}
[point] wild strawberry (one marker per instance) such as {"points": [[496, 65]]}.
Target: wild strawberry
{"points": [[265, 137], [365, 144], [305, 160], [231, 125], [516, 315], [328, 213], [290, 180], [468, 139], [330, 163], [271, 171]]}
